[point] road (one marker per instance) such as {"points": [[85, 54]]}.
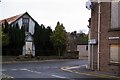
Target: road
{"points": [[44, 69]]}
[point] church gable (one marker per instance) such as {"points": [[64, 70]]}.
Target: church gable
{"points": [[23, 20]]}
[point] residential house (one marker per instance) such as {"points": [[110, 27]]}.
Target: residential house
{"points": [[105, 37], [29, 23], [83, 51]]}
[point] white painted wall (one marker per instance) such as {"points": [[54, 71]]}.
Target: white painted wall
{"points": [[82, 51], [31, 26], [33, 52], [28, 46], [26, 52], [19, 21]]}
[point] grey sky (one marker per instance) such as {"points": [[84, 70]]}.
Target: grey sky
{"points": [[72, 13]]}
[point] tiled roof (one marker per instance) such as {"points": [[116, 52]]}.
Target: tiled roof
{"points": [[15, 18], [11, 19]]}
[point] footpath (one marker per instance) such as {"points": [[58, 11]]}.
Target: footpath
{"points": [[83, 70]]}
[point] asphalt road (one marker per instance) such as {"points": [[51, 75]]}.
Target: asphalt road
{"points": [[44, 70]]}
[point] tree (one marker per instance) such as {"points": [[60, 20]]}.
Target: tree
{"points": [[38, 38], [4, 34], [5, 27], [17, 39], [4, 37], [83, 38], [59, 37], [43, 45]]}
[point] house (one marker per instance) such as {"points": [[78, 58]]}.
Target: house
{"points": [[29, 23], [83, 51], [104, 37]]}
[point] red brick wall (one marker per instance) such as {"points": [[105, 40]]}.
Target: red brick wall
{"points": [[94, 21]]}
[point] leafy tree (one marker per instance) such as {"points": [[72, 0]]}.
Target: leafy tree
{"points": [[59, 37], [79, 38], [4, 37], [43, 45], [22, 35], [83, 38], [48, 48], [5, 27], [16, 37], [4, 32]]}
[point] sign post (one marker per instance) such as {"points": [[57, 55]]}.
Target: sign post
{"points": [[92, 42]]}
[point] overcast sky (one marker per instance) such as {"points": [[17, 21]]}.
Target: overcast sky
{"points": [[72, 13]]}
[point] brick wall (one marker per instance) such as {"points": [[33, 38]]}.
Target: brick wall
{"points": [[104, 37]]}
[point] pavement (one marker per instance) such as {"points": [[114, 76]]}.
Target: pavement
{"points": [[83, 70]]}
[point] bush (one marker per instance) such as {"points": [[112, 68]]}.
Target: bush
{"points": [[28, 56]]}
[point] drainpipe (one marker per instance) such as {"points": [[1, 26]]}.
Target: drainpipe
{"points": [[99, 14]]}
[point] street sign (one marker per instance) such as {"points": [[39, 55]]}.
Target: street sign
{"points": [[92, 41], [114, 37]]}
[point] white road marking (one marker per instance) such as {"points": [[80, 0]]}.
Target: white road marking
{"points": [[58, 76], [23, 69], [67, 68], [14, 69], [30, 71]]}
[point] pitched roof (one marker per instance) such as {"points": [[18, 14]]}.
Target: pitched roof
{"points": [[11, 19], [15, 18]]}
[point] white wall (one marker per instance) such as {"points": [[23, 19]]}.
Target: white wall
{"points": [[82, 51], [31, 26], [25, 51], [19, 21]]}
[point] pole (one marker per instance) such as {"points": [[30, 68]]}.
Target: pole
{"points": [[92, 58], [99, 14], [89, 49]]}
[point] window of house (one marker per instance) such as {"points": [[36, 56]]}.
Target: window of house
{"points": [[26, 24], [115, 17], [115, 53]]}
